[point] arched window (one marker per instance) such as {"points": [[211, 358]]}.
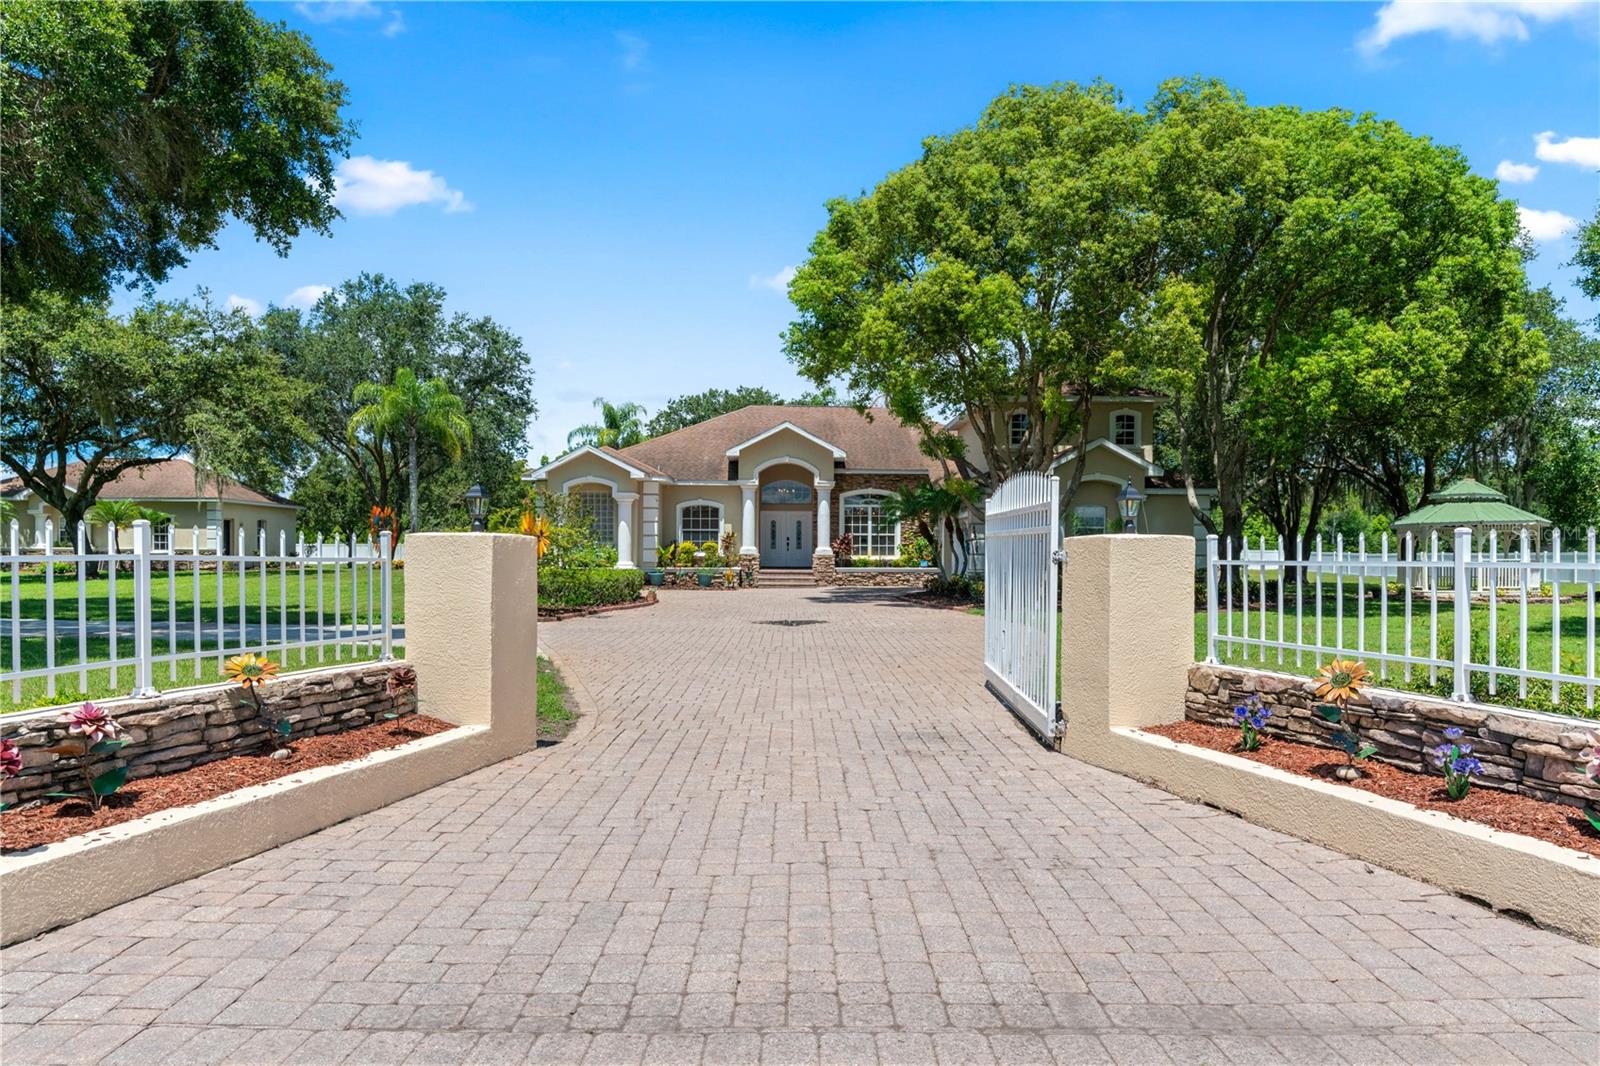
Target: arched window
{"points": [[861, 516], [699, 522], [600, 508], [781, 492]]}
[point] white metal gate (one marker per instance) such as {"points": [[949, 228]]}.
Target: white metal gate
{"points": [[1021, 627]]}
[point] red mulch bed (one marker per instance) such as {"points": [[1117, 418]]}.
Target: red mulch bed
{"points": [[556, 614], [923, 598], [56, 820], [1507, 811]]}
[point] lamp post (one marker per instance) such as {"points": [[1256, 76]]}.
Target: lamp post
{"points": [[1129, 501], [477, 506]]}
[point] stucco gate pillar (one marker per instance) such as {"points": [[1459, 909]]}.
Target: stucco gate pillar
{"points": [[625, 502]]}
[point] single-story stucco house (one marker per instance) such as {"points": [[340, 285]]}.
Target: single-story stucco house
{"points": [[170, 487], [787, 480]]}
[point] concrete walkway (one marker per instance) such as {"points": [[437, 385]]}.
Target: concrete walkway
{"points": [[791, 844]]}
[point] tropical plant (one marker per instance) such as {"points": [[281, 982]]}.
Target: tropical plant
{"points": [[1592, 770], [410, 409], [1252, 717], [116, 514], [620, 425], [1455, 758], [92, 734], [252, 671], [10, 762], [844, 547], [383, 519], [1339, 682]]}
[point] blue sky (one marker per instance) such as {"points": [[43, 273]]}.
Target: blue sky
{"points": [[624, 186]]}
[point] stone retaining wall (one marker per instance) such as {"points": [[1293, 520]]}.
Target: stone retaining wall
{"points": [[879, 577], [690, 579], [1534, 754], [186, 727]]}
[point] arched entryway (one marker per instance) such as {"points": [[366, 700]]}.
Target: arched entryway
{"points": [[786, 516]]}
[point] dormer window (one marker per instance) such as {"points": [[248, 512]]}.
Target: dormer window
{"points": [[1125, 430], [1019, 428]]}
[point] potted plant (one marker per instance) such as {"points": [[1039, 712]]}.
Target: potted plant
{"points": [[704, 576]]}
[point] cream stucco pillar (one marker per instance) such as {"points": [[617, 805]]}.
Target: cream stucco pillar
{"points": [[824, 518], [747, 527], [625, 502], [652, 523]]}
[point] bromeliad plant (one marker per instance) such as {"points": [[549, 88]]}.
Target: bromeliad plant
{"points": [[1339, 682], [10, 763], [1592, 768], [1251, 716], [252, 671], [1455, 758], [91, 736]]}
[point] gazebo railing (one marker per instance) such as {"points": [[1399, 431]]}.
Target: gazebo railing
{"points": [[1292, 621]]}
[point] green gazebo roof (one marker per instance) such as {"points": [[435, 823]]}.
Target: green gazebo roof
{"points": [[1469, 503]]}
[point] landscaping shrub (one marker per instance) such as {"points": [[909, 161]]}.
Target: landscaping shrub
{"points": [[588, 587]]}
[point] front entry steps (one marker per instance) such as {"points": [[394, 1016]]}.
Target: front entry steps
{"points": [[786, 579]]}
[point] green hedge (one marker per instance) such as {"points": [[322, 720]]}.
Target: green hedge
{"points": [[588, 587]]}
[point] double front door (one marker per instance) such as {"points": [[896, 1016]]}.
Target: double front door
{"points": [[786, 539]]}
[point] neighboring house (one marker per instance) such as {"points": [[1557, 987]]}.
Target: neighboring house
{"points": [[219, 507], [787, 480]]}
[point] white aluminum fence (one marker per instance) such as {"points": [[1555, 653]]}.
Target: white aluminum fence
{"points": [[199, 632], [1425, 576], [1022, 535]]}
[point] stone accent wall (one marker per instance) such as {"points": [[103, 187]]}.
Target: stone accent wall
{"points": [[690, 579], [750, 565], [1534, 754], [822, 569], [884, 577], [186, 727]]}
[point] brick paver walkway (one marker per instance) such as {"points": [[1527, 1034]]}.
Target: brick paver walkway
{"points": [[792, 844]]}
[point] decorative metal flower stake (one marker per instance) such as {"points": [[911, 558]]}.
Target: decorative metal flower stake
{"points": [[1339, 682]]}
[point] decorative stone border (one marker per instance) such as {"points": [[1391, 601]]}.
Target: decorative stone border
{"points": [[1528, 752], [871, 576], [190, 726]]}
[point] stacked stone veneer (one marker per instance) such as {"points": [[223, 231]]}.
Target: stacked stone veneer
{"points": [[187, 727], [876, 577], [690, 579], [1534, 754]]}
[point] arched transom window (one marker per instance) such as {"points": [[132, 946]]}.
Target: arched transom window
{"points": [[861, 516], [779, 492]]}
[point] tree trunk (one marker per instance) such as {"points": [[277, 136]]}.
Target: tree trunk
{"points": [[411, 443]]}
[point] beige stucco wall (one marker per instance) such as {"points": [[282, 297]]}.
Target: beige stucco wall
{"points": [[187, 516], [729, 495], [592, 472], [1127, 646], [785, 443]]}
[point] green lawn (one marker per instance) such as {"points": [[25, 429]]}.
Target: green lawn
{"points": [[556, 713]]}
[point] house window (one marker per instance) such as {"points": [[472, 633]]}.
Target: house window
{"points": [[700, 522], [1019, 428], [781, 492], [872, 536], [1125, 430], [598, 506], [1088, 520], [161, 537]]}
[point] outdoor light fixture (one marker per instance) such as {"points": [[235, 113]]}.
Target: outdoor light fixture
{"points": [[477, 506], [1129, 501]]}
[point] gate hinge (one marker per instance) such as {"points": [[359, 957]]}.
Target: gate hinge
{"points": [[1058, 556]]}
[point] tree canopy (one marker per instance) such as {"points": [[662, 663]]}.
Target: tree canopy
{"points": [[134, 131]]}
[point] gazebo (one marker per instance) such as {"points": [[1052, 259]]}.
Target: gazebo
{"points": [[1492, 520]]}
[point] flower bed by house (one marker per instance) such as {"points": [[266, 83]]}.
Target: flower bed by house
{"points": [[1526, 752], [188, 727]]}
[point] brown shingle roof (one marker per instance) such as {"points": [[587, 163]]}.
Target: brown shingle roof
{"points": [[172, 479], [871, 441]]}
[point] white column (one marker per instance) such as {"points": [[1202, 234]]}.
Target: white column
{"points": [[747, 529], [824, 518], [625, 501], [652, 523]]}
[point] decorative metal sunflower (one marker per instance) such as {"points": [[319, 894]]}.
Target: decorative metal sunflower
{"points": [[1342, 680], [250, 669], [537, 526]]}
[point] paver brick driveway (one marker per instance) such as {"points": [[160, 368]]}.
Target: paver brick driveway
{"points": [[791, 844]]}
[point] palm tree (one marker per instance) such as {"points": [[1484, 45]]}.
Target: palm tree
{"points": [[118, 514], [940, 505], [412, 410], [620, 425]]}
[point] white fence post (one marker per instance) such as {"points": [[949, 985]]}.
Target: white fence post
{"points": [[1462, 652], [1211, 597], [386, 547], [143, 651]]}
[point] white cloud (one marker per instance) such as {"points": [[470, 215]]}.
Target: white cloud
{"points": [[1487, 21], [325, 11], [1515, 173], [371, 186], [778, 282], [250, 307], [306, 296], [635, 51], [1579, 151], [1545, 225]]}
